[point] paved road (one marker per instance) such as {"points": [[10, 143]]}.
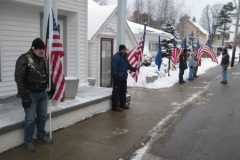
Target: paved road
{"points": [[207, 130]]}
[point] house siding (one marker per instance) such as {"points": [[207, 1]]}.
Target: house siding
{"points": [[20, 25]]}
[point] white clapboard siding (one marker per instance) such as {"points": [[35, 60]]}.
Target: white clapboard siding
{"points": [[20, 24]]}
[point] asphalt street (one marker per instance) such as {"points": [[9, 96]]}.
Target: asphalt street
{"points": [[207, 129]]}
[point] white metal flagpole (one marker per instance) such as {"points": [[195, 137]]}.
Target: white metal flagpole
{"points": [[50, 64], [133, 94]]}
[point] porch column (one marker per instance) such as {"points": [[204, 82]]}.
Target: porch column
{"points": [[46, 10], [121, 24]]}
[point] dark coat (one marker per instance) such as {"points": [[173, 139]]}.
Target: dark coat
{"points": [[120, 66], [31, 73], [225, 60]]}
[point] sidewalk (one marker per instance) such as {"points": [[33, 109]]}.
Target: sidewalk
{"points": [[110, 135]]}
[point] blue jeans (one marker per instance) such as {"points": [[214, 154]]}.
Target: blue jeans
{"points": [[224, 74], [190, 75], [37, 113]]}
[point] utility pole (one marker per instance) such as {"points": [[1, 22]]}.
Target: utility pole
{"points": [[235, 35], [121, 28]]}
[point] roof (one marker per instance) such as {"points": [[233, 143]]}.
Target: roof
{"points": [[97, 15], [138, 29], [199, 27]]}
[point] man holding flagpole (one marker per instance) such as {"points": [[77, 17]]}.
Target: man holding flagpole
{"points": [[31, 76], [120, 66]]}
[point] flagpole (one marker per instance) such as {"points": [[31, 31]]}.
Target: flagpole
{"points": [[50, 65], [132, 94]]}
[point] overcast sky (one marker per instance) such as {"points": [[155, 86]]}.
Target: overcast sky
{"points": [[195, 6]]}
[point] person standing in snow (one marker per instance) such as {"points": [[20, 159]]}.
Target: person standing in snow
{"points": [[224, 64], [195, 69], [182, 65], [191, 63], [120, 65], [31, 76]]}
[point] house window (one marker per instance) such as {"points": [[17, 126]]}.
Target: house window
{"points": [[153, 46], [218, 37]]}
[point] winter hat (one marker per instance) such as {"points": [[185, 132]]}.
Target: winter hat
{"points": [[38, 44], [225, 49]]}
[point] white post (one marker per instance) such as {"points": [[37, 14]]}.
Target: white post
{"points": [[45, 18], [55, 10], [121, 24]]}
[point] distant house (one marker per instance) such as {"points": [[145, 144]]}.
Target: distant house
{"points": [[151, 38], [102, 41], [22, 21], [188, 27]]}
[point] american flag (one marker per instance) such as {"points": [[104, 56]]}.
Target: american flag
{"points": [[209, 50], [135, 56], [198, 54], [56, 52], [183, 46], [174, 54]]}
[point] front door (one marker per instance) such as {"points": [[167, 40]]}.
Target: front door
{"points": [[106, 56]]}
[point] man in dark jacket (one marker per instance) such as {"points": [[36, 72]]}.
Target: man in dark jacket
{"points": [[182, 65], [120, 66], [224, 64], [31, 76]]}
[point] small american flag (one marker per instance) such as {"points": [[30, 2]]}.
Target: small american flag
{"points": [[209, 50], [56, 53], [135, 56], [198, 54], [174, 55], [183, 46]]}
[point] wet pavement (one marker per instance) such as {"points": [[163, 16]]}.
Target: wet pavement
{"points": [[111, 135], [208, 130]]}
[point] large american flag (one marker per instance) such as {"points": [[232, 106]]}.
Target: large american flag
{"points": [[55, 49], [183, 46], [174, 54], [209, 50], [135, 56]]}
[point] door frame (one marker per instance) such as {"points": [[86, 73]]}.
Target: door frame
{"points": [[112, 49]]}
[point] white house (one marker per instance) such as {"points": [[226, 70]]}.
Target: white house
{"points": [[151, 38], [21, 21], [102, 41]]}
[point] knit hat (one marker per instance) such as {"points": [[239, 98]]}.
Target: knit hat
{"points": [[225, 49], [38, 44]]}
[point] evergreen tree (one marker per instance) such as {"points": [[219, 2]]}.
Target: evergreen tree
{"points": [[169, 27], [225, 19], [192, 41], [194, 19]]}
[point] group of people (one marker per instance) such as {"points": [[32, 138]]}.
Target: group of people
{"points": [[189, 61], [31, 76]]}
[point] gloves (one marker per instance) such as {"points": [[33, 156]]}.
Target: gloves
{"points": [[191, 66], [26, 102], [51, 93], [225, 68]]}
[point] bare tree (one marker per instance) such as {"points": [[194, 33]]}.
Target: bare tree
{"points": [[150, 10], [138, 11], [101, 2], [209, 19]]}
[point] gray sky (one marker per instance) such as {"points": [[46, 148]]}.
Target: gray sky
{"points": [[195, 7]]}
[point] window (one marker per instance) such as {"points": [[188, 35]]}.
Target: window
{"points": [[153, 46]]}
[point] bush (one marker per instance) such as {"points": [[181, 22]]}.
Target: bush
{"points": [[147, 60]]}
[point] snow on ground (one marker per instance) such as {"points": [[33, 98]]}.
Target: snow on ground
{"points": [[165, 81]]}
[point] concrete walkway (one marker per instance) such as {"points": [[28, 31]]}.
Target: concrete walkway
{"points": [[112, 135]]}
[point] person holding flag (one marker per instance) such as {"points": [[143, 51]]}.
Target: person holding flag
{"points": [[31, 76], [120, 65], [197, 62]]}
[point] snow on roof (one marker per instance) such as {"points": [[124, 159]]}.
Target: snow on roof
{"points": [[138, 29], [97, 15], [199, 27]]}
